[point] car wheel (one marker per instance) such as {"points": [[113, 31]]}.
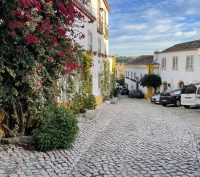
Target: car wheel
{"points": [[177, 103], [187, 107], [164, 104]]}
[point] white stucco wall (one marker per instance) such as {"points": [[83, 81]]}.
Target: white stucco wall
{"points": [[175, 76], [139, 72], [92, 28]]}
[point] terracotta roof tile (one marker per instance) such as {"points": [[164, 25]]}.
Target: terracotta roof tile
{"points": [[192, 45]]}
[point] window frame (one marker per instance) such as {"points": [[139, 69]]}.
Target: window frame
{"points": [[164, 63], [175, 63], [90, 41], [190, 63]]}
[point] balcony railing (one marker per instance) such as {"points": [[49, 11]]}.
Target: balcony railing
{"points": [[100, 26], [106, 31]]}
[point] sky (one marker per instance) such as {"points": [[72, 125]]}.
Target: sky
{"points": [[140, 27]]}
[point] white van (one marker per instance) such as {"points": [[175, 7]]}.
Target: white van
{"points": [[190, 95]]}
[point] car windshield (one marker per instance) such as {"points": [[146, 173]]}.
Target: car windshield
{"points": [[190, 89], [177, 92]]}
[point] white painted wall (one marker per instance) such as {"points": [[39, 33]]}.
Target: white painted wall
{"points": [[131, 84], [175, 76], [98, 61]]}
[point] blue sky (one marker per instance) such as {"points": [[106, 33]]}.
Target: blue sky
{"points": [[140, 27]]}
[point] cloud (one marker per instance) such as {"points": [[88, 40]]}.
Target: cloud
{"points": [[141, 27]]}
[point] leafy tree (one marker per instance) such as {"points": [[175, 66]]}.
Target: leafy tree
{"points": [[151, 80], [121, 81]]}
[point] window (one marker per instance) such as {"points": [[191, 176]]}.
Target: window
{"points": [[99, 45], [164, 63], [191, 89], [131, 87], [175, 63], [105, 45], [189, 63], [198, 92], [128, 74], [134, 75], [131, 75], [89, 41], [99, 81], [141, 76]]}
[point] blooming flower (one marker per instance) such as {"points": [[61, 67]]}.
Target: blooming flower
{"points": [[54, 41], [45, 26], [31, 39], [61, 32], [37, 5], [62, 54], [15, 25]]}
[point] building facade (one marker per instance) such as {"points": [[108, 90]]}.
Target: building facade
{"points": [[95, 40], [136, 69], [179, 65]]}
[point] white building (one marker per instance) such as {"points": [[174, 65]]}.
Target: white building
{"points": [[95, 30], [96, 37], [179, 64], [136, 69]]}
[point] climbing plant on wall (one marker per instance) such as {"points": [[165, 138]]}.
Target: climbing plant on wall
{"points": [[105, 80], [36, 46]]}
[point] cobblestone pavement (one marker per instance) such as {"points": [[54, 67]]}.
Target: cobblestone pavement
{"points": [[132, 138]]}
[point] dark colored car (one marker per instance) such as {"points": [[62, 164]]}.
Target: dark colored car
{"points": [[138, 94], [124, 91], [130, 94], [173, 97]]}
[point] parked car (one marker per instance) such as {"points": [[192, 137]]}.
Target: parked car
{"points": [[124, 91], [156, 98], [190, 95], [131, 94], [173, 97], [138, 94]]}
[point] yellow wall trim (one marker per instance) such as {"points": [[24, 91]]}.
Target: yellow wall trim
{"points": [[99, 100]]}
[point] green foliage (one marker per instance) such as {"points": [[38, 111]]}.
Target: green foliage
{"points": [[84, 99], [151, 80], [78, 105], [58, 131], [90, 102], [32, 57], [105, 85], [121, 82], [124, 59]]}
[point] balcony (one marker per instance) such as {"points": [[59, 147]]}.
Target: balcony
{"points": [[87, 9], [100, 26], [106, 31]]}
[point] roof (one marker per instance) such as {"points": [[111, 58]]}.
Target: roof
{"points": [[192, 45], [107, 5], [142, 60]]}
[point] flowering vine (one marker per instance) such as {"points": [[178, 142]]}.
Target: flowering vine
{"points": [[37, 46]]}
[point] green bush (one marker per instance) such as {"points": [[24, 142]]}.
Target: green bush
{"points": [[90, 102], [59, 130], [79, 104]]}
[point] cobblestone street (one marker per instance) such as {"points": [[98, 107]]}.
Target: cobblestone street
{"points": [[133, 138]]}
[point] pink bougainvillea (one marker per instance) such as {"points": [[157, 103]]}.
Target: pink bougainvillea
{"points": [[31, 39]]}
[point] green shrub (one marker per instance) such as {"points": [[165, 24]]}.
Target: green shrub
{"points": [[79, 104], [90, 102], [59, 130]]}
